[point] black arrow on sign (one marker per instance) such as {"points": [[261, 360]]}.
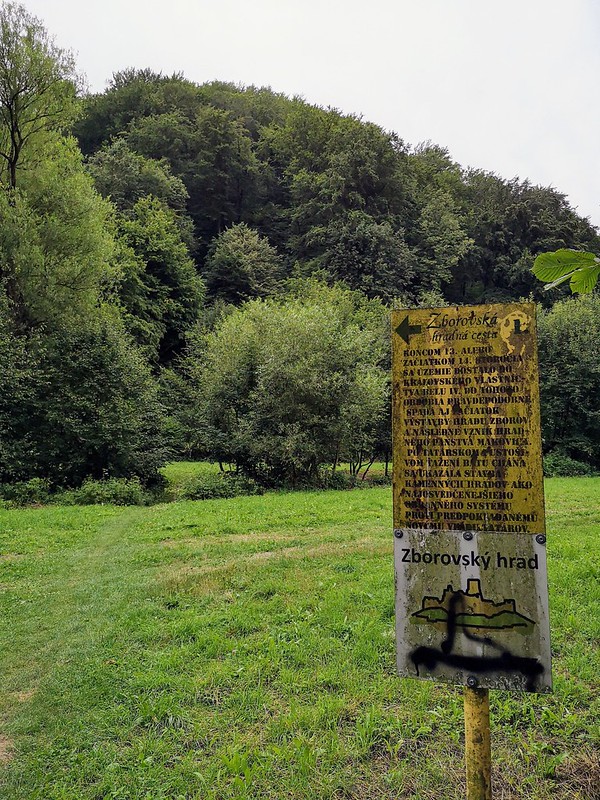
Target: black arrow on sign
{"points": [[406, 330]]}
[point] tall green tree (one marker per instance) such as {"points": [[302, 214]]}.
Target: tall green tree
{"points": [[368, 255], [37, 87], [56, 239], [160, 291], [125, 176], [442, 241], [37, 103], [213, 156], [77, 402], [79, 398], [241, 265], [359, 170]]}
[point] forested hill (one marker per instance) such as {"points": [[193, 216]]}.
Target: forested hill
{"points": [[332, 194]]}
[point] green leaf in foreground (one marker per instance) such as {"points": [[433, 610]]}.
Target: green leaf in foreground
{"points": [[580, 268]]}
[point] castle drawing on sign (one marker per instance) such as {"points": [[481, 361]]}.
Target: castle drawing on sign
{"points": [[470, 609]]}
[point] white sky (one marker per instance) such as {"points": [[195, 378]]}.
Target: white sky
{"points": [[509, 86]]}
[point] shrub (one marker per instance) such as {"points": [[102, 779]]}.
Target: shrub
{"points": [[224, 484], [112, 491], [343, 480], [25, 493], [558, 464], [288, 388], [339, 480], [379, 480]]}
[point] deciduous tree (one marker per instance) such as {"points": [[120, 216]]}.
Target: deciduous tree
{"points": [[241, 265], [125, 177], [161, 291], [56, 239], [287, 387], [37, 87]]}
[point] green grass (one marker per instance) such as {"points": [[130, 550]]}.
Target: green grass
{"points": [[244, 649], [178, 473]]}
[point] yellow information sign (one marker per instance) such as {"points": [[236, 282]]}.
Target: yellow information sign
{"points": [[470, 556], [467, 443]]}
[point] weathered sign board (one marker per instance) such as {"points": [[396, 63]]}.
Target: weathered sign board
{"points": [[471, 598]]}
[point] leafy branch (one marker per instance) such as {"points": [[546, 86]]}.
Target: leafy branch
{"points": [[580, 268]]}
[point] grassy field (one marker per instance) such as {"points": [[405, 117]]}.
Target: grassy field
{"points": [[244, 649]]}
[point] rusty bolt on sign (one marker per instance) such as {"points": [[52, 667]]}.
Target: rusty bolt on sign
{"points": [[398, 533]]}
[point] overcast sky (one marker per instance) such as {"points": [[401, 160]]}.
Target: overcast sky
{"points": [[510, 87]]}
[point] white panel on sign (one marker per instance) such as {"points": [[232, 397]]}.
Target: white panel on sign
{"points": [[472, 608]]}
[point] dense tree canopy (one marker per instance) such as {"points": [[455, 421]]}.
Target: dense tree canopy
{"points": [[333, 193], [124, 177]]}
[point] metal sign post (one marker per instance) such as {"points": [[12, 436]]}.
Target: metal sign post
{"points": [[469, 525]]}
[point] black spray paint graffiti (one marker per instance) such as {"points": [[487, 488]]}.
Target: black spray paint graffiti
{"points": [[504, 661]]}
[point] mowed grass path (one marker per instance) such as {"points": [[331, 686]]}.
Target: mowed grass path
{"points": [[244, 649]]}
